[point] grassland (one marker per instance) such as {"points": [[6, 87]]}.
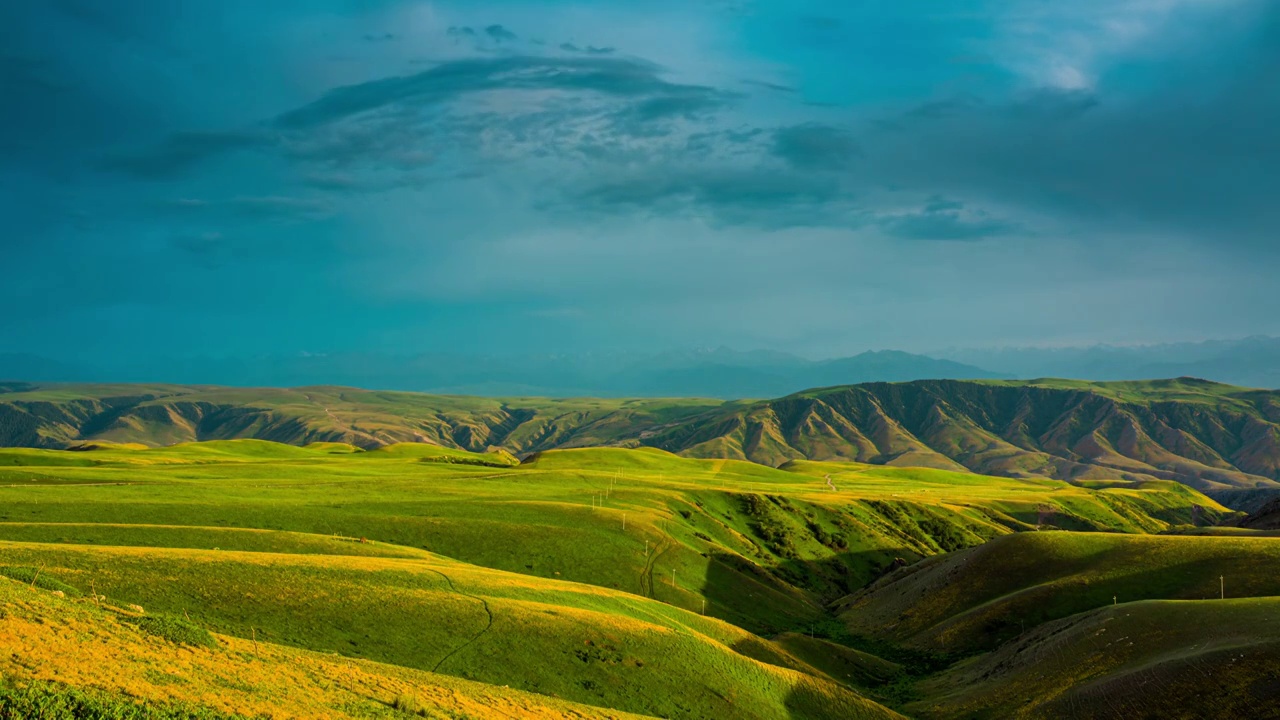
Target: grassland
{"points": [[590, 581], [1151, 659], [62, 658], [976, 599], [1214, 437]]}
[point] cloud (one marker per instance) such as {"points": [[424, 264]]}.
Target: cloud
{"points": [[500, 34], [761, 196], [589, 49], [946, 220], [609, 77], [182, 152], [816, 147]]}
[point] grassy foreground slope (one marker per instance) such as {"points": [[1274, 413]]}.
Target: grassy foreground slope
{"points": [[1175, 660], [1211, 436], [56, 652], [978, 598], [763, 548], [566, 640]]}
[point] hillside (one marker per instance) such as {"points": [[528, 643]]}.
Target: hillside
{"points": [[53, 649], [587, 582], [1213, 437], [1217, 438], [978, 598], [764, 548], [1151, 659]]}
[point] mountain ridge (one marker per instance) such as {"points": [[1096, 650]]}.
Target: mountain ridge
{"points": [[1216, 438]]}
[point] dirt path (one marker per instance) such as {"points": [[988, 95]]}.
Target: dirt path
{"points": [[830, 484], [468, 643]]}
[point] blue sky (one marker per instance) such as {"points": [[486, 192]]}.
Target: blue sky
{"points": [[822, 177]]}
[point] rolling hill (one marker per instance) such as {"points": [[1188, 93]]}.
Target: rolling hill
{"points": [[1217, 438]]}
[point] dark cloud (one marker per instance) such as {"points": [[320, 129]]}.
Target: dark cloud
{"points": [[589, 49], [760, 196], [946, 220], [618, 78], [500, 34], [181, 152], [816, 147]]}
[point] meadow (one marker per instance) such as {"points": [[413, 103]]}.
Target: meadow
{"points": [[597, 581]]}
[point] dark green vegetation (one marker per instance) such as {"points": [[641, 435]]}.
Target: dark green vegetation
{"points": [[1217, 438], [630, 580], [49, 701]]}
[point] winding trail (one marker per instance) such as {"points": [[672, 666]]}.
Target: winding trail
{"points": [[468, 643], [829, 483]]}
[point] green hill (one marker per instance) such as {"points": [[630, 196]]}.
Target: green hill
{"points": [[1217, 438], [765, 548], [1150, 659], [977, 598], [413, 578]]}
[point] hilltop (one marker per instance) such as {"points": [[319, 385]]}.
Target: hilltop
{"points": [[1217, 438]]}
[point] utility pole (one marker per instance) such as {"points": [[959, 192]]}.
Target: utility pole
{"points": [[1222, 587]]}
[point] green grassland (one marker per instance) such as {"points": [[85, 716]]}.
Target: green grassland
{"points": [[1151, 659], [64, 659], [1216, 438], [977, 598], [589, 581]]}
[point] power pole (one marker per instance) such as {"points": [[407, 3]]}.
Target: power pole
{"points": [[1222, 587]]}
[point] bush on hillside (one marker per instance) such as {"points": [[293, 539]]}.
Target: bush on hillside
{"points": [[34, 576], [175, 630], [50, 701]]}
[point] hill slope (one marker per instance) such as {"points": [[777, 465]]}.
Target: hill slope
{"points": [[1217, 438], [1152, 659], [1210, 436], [977, 598]]}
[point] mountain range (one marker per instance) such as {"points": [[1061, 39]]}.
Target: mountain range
{"points": [[1221, 439]]}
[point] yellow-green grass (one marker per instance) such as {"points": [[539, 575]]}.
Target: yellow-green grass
{"points": [[78, 648], [763, 547], [579, 642], [977, 598], [1174, 660]]}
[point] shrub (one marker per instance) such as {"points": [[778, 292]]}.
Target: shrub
{"points": [[50, 701], [42, 580], [175, 630]]}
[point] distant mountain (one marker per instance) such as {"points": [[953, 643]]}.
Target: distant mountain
{"points": [[1248, 362], [1217, 438], [718, 373]]}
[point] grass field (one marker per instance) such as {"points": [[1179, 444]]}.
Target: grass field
{"points": [[1150, 659], [978, 598], [622, 580]]}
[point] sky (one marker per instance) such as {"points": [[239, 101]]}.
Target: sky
{"points": [[824, 177]]}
